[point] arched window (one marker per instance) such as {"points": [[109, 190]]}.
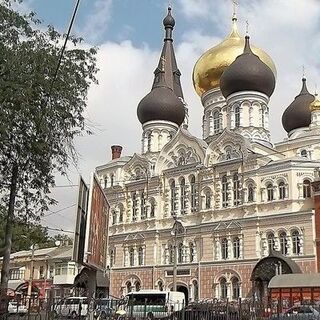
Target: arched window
{"points": [[235, 288], [224, 248], [140, 256], [105, 182], [183, 197], [208, 200], [283, 243], [134, 206], [262, 117], [152, 208], [225, 195], [306, 188], [236, 247], [129, 286], [120, 214], [193, 194], [114, 217], [282, 190], [138, 286], [250, 193], [191, 252], [270, 192], [271, 242], [236, 189], [195, 290], [223, 288], [131, 256], [296, 243], [173, 197], [304, 153], [143, 208], [112, 258], [111, 179], [237, 117], [216, 122], [171, 254], [180, 252]]}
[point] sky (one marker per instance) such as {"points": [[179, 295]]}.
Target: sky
{"points": [[129, 35]]}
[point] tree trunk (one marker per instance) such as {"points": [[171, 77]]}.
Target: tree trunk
{"points": [[8, 233]]}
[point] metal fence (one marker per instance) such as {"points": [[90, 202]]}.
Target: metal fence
{"points": [[117, 309]]}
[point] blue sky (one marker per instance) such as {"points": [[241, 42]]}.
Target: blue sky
{"points": [[129, 34]]}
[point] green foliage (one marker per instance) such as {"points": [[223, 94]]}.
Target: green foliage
{"points": [[39, 118]]}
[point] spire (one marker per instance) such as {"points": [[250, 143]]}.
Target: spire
{"points": [[304, 89], [247, 48], [167, 63]]}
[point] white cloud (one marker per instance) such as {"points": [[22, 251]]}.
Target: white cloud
{"points": [[288, 30]]}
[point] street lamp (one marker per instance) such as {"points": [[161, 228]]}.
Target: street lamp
{"points": [[177, 231]]}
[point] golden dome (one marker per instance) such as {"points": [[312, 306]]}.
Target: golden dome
{"points": [[210, 66], [315, 105]]}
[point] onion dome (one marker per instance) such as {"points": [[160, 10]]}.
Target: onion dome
{"points": [[164, 101], [211, 65], [315, 105], [247, 73], [298, 114]]}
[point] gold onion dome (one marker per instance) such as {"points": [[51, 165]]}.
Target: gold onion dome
{"points": [[211, 65], [315, 105]]}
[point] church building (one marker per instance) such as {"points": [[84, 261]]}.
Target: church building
{"points": [[233, 208]]}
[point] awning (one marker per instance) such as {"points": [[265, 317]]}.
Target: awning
{"points": [[102, 280], [297, 280]]}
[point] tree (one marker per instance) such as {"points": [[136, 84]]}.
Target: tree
{"points": [[39, 117]]}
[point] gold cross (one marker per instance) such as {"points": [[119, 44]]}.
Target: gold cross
{"points": [[235, 4], [247, 26], [303, 72]]}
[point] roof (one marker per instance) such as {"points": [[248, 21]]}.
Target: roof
{"points": [[295, 280], [62, 252], [27, 253]]}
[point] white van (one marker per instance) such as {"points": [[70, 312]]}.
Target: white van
{"points": [[152, 304], [71, 307]]}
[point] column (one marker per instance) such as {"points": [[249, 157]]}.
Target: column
{"points": [[126, 256], [300, 190], [229, 292], [211, 125], [241, 247], [230, 247], [263, 194]]}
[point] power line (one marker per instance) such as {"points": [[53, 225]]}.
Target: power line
{"points": [[61, 230], [57, 212]]}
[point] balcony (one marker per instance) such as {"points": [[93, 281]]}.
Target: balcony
{"points": [[63, 279]]}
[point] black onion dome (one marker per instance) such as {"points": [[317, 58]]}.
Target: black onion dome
{"points": [[298, 114], [247, 73], [161, 104], [169, 21]]}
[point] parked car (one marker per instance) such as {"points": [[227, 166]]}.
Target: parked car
{"points": [[15, 308], [303, 312], [71, 307]]}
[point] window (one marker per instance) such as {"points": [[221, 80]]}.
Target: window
{"points": [[173, 197], [235, 288], [140, 256], [216, 122], [237, 117], [225, 195], [236, 189], [134, 206], [250, 193], [270, 192], [105, 182], [224, 248], [171, 254], [129, 286], [131, 256], [160, 285], [262, 117], [183, 199], [143, 208], [120, 214], [306, 188], [193, 194], [152, 208], [41, 272], [282, 190], [112, 258], [208, 200], [223, 288], [283, 243], [180, 252], [114, 217], [191, 252], [16, 274], [296, 244], [304, 153], [271, 242], [149, 137], [138, 286], [111, 180], [236, 248]]}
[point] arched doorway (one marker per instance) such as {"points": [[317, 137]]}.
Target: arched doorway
{"points": [[184, 289], [266, 268]]}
